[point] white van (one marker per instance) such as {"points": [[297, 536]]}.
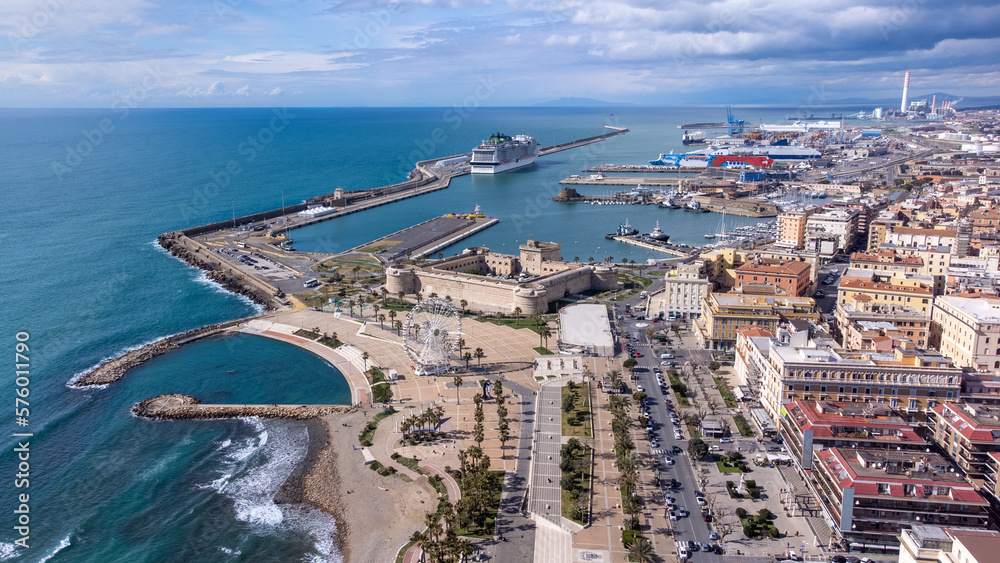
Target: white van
{"points": [[667, 356]]}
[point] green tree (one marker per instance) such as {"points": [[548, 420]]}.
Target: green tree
{"points": [[641, 550], [364, 357], [697, 448], [461, 346], [517, 315], [714, 366], [468, 358], [479, 355], [464, 304], [381, 320]]}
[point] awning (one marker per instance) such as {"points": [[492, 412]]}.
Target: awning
{"points": [[778, 457]]}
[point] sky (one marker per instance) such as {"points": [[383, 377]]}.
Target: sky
{"points": [[222, 53]]}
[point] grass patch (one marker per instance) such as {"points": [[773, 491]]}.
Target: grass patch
{"points": [[472, 530], [679, 388], [512, 322], [410, 462], [366, 435], [373, 248], [723, 468], [693, 429], [403, 550], [576, 422], [539, 378], [542, 351], [576, 462], [307, 334], [727, 395], [331, 342], [743, 425]]}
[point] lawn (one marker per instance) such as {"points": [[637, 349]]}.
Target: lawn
{"points": [[693, 430], [491, 515], [727, 395], [743, 425], [523, 322], [542, 351], [307, 334], [373, 248], [577, 421], [725, 469], [583, 488]]}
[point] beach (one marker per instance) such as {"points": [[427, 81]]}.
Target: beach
{"points": [[375, 515]]}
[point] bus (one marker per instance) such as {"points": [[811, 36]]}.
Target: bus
{"points": [[311, 282]]}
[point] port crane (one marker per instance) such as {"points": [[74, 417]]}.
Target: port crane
{"points": [[735, 125]]}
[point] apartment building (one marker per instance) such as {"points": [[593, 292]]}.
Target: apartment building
{"points": [[722, 314], [967, 433], [686, 286], [872, 495], [967, 329], [793, 278], [941, 544]]}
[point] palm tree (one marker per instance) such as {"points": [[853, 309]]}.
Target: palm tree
{"points": [[590, 259], [364, 357], [504, 435], [458, 385], [350, 304], [399, 328], [468, 358], [576, 258], [641, 550], [464, 304], [392, 316], [400, 294], [420, 297], [544, 332], [517, 315], [384, 293], [433, 295], [376, 308], [381, 319], [609, 259], [440, 255], [461, 345], [479, 354]]}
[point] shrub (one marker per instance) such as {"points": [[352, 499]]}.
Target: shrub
{"points": [[749, 530], [741, 513], [772, 531], [754, 493], [751, 484], [765, 513]]}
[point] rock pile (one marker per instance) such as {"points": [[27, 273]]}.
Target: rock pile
{"points": [[174, 407]]}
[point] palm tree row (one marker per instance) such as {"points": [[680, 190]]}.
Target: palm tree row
{"points": [[502, 425], [440, 542], [479, 486], [420, 422]]}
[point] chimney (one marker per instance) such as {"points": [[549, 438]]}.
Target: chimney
{"points": [[906, 89]]}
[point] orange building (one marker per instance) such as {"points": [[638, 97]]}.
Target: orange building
{"points": [[792, 277]]}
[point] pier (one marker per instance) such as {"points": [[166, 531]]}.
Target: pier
{"points": [[427, 237], [644, 168], [668, 248], [581, 142], [621, 181]]}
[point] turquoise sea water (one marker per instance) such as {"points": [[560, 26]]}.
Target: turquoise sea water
{"points": [[83, 277]]}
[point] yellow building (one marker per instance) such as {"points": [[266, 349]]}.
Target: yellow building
{"points": [[722, 314], [792, 228], [859, 292], [967, 329]]}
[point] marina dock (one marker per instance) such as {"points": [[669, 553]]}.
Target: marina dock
{"points": [[621, 181], [668, 248], [644, 168]]}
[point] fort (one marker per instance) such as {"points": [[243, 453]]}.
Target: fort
{"points": [[501, 283]]}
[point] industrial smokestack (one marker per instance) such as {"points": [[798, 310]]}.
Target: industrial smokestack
{"points": [[906, 89], [933, 103]]}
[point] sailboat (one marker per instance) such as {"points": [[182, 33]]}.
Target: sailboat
{"points": [[722, 234]]}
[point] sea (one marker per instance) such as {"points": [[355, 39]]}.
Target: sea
{"points": [[85, 193]]}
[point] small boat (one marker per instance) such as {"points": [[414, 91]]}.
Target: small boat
{"points": [[658, 234]]}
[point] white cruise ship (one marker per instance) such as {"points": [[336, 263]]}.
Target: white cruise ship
{"points": [[501, 153]]}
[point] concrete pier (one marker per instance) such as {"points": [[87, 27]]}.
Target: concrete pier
{"points": [[659, 247], [622, 181], [427, 237]]}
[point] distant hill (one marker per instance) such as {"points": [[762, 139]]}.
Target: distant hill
{"points": [[581, 103]]}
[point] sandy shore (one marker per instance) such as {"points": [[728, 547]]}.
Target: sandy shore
{"points": [[375, 515]]}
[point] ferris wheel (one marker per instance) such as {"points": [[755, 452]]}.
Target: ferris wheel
{"points": [[430, 334]]}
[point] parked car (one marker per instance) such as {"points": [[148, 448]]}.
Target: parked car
{"points": [[705, 547], [673, 516], [712, 535], [701, 501], [725, 439], [683, 513]]}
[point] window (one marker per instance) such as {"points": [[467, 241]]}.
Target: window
{"points": [[893, 403], [913, 404]]}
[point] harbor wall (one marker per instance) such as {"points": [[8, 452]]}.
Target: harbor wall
{"points": [[186, 407], [744, 207]]}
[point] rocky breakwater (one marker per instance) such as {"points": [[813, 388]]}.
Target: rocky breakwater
{"points": [[182, 407], [180, 246], [114, 369]]}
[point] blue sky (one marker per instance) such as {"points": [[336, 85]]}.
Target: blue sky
{"points": [[181, 53]]}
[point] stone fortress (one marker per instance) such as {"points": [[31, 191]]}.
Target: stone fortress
{"points": [[537, 278]]}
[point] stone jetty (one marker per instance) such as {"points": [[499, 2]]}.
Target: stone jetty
{"points": [[116, 368], [178, 407]]}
